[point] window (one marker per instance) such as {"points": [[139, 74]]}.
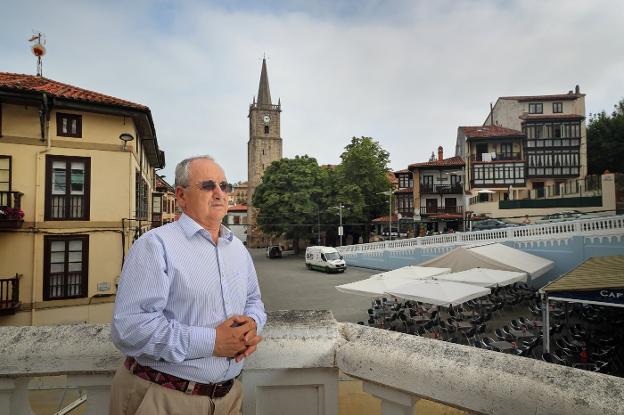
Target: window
{"points": [[66, 262], [5, 174], [536, 108], [557, 107], [67, 188], [506, 151], [405, 181], [266, 129], [156, 203], [68, 125], [140, 196]]}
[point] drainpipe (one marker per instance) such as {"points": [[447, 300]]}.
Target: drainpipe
{"points": [[44, 117]]}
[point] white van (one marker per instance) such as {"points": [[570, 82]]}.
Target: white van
{"points": [[324, 258]]}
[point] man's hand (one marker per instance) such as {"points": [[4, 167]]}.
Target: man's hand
{"points": [[251, 339], [236, 337], [230, 338]]}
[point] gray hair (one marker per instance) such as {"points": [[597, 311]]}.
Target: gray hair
{"points": [[182, 169]]}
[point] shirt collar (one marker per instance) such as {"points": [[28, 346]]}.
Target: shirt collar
{"points": [[190, 228]]}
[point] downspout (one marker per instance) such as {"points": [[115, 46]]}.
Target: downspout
{"points": [[44, 118]]}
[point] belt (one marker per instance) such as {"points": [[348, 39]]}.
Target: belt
{"points": [[213, 390]]}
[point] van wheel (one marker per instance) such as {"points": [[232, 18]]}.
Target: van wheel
{"points": [[308, 266]]}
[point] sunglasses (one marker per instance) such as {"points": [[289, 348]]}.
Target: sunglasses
{"points": [[211, 185]]}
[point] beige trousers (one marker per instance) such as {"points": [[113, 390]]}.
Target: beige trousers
{"points": [[131, 395]]}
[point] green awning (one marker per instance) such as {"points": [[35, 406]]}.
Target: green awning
{"points": [[599, 280]]}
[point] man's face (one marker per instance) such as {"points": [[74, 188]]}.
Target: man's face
{"points": [[205, 206]]}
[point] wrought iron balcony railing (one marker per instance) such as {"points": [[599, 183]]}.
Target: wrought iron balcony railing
{"points": [[9, 295], [426, 188], [11, 215]]}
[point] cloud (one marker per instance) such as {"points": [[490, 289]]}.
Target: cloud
{"points": [[407, 73]]}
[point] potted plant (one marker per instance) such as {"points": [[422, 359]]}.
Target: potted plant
{"points": [[11, 217]]}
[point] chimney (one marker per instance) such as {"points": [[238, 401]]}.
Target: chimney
{"points": [[577, 90], [440, 153]]}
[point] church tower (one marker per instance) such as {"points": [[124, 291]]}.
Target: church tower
{"points": [[263, 148]]}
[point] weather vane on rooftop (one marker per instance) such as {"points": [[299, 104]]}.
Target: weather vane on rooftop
{"points": [[38, 49]]}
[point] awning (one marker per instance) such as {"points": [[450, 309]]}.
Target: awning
{"points": [[533, 265], [599, 280], [441, 293], [379, 284], [492, 256], [484, 277]]}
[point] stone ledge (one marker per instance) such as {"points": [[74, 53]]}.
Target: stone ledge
{"points": [[475, 379]]}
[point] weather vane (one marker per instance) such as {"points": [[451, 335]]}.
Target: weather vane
{"points": [[38, 49]]}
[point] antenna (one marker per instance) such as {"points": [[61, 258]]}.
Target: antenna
{"points": [[38, 49]]}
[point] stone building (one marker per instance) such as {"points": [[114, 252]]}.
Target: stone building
{"points": [[263, 148]]}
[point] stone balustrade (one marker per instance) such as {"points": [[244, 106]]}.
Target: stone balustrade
{"points": [[295, 370], [595, 226]]}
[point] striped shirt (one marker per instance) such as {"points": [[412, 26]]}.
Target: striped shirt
{"points": [[176, 287]]}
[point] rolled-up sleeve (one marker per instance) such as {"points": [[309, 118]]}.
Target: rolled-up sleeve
{"points": [[139, 327], [254, 307]]}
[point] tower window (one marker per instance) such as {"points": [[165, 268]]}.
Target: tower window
{"points": [[266, 129]]}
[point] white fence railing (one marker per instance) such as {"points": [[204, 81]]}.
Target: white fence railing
{"points": [[305, 350], [606, 225]]}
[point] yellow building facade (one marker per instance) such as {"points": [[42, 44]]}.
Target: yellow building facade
{"points": [[85, 194]]}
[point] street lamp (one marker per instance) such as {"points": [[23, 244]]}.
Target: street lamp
{"points": [[389, 193], [340, 229]]}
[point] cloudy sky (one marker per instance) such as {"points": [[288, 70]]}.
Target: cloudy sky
{"points": [[405, 72]]}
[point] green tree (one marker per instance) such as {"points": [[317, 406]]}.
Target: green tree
{"points": [[289, 198], [605, 140], [363, 174]]}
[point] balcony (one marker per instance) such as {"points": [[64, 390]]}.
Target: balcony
{"points": [[492, 157], [441, 210], [426, 188], [9, 295], [11, 214], [304, 356]]}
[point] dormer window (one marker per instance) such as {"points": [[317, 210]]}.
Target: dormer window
{"points": [[557, 107], [68, 125], [536, 108]]}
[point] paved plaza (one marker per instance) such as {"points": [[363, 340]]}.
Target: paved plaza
{"points": [[286, 284]]}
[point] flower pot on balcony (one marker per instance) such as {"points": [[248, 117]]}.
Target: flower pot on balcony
{"points": [[11, 223]]}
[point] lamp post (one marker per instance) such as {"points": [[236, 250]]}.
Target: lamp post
{"points": [[318, 218], [389, 194], [340, 229]]}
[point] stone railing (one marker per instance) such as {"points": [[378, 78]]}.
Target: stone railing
{"points": [[295, 370], [602, 225]]}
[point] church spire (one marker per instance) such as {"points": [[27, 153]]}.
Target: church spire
{"points": [[264, 94]]}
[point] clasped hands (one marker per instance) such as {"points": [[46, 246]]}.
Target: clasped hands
{"points": [[236, 337]]}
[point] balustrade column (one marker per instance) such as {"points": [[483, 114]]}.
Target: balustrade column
{"points": [[97, 388], [393, 401], [14, 397]]}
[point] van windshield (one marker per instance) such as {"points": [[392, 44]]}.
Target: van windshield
{"points": [[332, 256]]}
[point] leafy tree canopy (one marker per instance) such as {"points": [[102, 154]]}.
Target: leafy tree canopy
{"points": [[288, 197], [363, 174], [605, 140]]}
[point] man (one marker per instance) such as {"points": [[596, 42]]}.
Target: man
{"points": [[188, 308]]}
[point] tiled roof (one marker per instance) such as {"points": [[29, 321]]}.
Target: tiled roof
{"points": [[559, 117], [237, 208], [490, 131], [450, 162], [31, 83], [162, 184], [555, 97]]}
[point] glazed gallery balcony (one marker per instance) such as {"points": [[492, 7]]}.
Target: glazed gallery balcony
{"points": [[296, 371]]}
